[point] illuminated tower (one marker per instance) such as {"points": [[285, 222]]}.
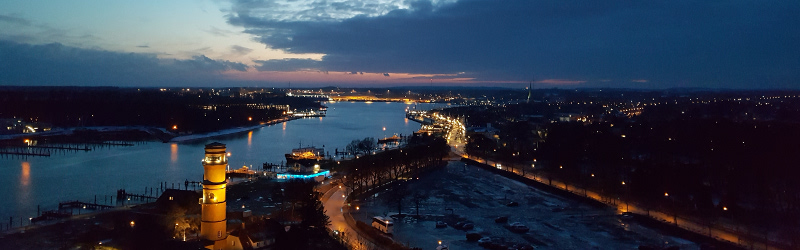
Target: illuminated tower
{"points": [[530, 87], [212, 224]]}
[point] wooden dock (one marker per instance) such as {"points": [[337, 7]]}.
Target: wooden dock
{"points": [[83, 205], [24, 152]]}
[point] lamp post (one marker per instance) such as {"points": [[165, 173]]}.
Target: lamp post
{"points": [[674, 209], [627, 197]]}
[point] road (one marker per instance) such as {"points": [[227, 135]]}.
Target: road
{"points": [[335, 207]]}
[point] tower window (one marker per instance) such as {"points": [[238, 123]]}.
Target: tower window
{"points": [[170, 198]]}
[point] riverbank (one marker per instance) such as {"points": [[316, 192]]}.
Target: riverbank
{"points": [[157, 133], [230, 131]]}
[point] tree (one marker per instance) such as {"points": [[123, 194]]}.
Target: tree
{"points": [[418, 198], [367, 145], [352, 148], [395, 197], [305, 199]]}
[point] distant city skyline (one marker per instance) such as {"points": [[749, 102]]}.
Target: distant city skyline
{"points": [[734, 44]]}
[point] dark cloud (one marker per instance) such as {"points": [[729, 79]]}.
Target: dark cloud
{"points": [[386, 74], [240, 51], [287, 65], [56, 64], [143, 46], [734, 44], [15, 20]]}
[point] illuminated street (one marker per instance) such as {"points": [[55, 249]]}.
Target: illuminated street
{"points": [[334, 209]]}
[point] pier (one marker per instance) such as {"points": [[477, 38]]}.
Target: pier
{"points": [[123, 196], [82, 205], [68, 147], [24, 152]]}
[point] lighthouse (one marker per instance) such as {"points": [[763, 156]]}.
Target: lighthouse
{"points": [[213, 219]]}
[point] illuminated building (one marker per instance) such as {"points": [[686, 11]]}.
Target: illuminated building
{"points": [[213, 219]]}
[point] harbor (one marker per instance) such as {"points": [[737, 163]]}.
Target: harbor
{"points": [[46, 181]]}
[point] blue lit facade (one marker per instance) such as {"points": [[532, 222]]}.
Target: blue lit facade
{"points": [[325, 173]]}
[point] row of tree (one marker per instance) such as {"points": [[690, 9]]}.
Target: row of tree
{"points": [[364, 146], [365, 173]]}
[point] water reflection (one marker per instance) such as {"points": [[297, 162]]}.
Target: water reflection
{"points": [[249, 139], [25, 178], [173, 152]]}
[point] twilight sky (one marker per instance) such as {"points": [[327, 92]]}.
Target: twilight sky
{"points": [[559, 43]]}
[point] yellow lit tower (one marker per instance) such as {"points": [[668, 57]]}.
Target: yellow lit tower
{"points": [[213, 220]]}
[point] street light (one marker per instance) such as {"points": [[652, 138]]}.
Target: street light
{"points": [[674, 209]]}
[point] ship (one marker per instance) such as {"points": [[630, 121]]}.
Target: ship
{"points": [[306, 153], [392, 139]]}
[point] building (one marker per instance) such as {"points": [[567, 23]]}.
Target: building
{"points": [[213, 217]]}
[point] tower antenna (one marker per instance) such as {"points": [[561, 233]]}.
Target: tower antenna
{"points": [[530, 87]]}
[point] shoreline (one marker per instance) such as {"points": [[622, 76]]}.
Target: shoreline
{"points": [[149, 130], [230, 131]]}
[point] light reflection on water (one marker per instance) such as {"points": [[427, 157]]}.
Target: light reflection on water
{"points": [[173, 153], [81, 175], [249, 139], [26, 174]]}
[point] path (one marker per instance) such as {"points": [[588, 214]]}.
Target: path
{"points": [[334, 209]]}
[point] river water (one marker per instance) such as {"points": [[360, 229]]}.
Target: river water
{"points": [[81, 175]]}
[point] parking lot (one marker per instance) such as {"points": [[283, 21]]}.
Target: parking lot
{"points": [[469, 194]]}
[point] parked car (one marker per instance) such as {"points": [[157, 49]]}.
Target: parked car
{"points": [[518, 227], [485, 241], [441, 224], [626, 215]]}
